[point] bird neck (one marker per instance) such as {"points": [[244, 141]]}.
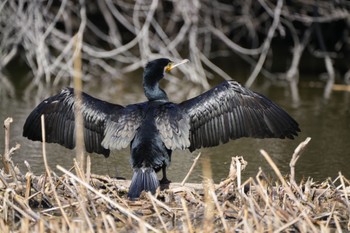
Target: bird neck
{"points": [[154, 92]]}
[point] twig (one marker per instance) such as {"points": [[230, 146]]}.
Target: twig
{"points": [[48, 172], [151, 198], [191, 169], [330, 215], [9, 167], [296, 155], [239, 172], [284, 227], [219, 209], [208, 224], [232, 45], [266, 45], [22, 212], [161, 204], [65, 206], [28, 187], [6, 156], [331, 76], [188, 219], [13, 169], [292, 74], [3, 180], [81, 196], [79, 124], [336, 221]]}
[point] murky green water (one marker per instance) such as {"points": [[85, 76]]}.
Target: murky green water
{"points": [[326, 122]]}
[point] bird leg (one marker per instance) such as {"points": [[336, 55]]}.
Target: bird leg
{"points": [[164, 180]]}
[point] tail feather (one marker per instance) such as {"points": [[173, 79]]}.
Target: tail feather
{"points": [[144, 179]]}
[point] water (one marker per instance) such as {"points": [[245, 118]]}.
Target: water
{"points": [[326, 122]]}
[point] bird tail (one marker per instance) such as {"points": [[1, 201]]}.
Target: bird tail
{"points": [[144, 179]]}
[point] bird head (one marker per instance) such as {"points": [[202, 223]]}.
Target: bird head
{"points": [[154, 70]]}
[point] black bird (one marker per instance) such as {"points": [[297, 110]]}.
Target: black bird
{"points": [[156, 127]]}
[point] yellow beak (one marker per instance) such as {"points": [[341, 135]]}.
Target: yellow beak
{"points": [[172, 65]]}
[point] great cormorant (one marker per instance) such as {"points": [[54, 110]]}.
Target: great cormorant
{"points": [[157, 127]]}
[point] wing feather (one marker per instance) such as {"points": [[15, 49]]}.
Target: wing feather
{"points": [[230, 111], [60, 121]]}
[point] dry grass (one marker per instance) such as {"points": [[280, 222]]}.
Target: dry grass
{"points": [[68, 203]]}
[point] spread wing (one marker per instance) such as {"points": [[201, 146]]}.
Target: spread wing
{"points": [[60, 121], [173, 126], [230, 111]]}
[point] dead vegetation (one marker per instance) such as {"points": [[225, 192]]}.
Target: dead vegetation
{"points": [[120, 36], [85, 202]]}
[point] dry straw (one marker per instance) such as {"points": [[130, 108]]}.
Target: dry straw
{"points": [[96, 203]]}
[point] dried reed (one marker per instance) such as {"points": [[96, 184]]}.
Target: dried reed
{"points": [[67, 203]]}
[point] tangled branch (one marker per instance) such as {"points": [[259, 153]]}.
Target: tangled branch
{"points": [[121, 36]]}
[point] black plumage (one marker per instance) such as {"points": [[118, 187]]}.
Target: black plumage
{"points": [[156, 127]]}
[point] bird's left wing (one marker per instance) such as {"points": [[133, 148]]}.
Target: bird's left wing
{"points": [[230, 111]]}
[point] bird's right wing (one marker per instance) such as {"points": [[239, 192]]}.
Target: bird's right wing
{"points": [[59, 117], [230, 111]]}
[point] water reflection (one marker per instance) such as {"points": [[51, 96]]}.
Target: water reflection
{"points": [[326, 122]]}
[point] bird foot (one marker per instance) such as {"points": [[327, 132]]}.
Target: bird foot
{"points": [[164, 180]]}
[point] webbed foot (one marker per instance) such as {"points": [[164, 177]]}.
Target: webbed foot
{"points": [[164, 180]]}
